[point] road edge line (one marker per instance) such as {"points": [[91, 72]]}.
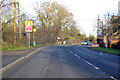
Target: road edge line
{"points": [[6, 68]]}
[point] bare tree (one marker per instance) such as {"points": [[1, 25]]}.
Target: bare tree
{"points": [[54, 19]]}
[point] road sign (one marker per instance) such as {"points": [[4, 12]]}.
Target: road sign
{"points": [[34, 30], [58, 37], [28, 26], [107, 34]]}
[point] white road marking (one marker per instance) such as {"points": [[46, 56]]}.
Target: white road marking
{"points": [[31, 53], [87, 62], [113, 77], [77, 55], [70, 51], [92, 64], [4, 69], [100, 53], [74, 54], [84, 60], [96, 67], [9, 66]]}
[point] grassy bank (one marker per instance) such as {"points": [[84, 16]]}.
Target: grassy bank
{"points": [[109, 50], [13, 48], [45, 45]]}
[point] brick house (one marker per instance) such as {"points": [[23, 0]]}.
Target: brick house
{"points": [[113, 31]]}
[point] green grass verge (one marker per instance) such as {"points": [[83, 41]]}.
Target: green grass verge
{"points": [[13, 48], [45, 45], [109, 50], [4, 48]]}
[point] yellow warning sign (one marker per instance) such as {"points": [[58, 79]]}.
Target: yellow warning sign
{"points": [[28, 26]]}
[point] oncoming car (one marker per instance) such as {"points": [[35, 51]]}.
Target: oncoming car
{"points": [[85, 42]]}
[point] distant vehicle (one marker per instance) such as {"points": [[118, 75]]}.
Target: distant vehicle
{"points": [[89, 45], [96, 42], [85, 42]]}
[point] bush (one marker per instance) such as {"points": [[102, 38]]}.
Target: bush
{"points": [[113, 46], [101, 44], [116, 46]]}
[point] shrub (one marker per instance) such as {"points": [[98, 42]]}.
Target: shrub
{"points": [[116, 46], [101, 44], [113, 46]]}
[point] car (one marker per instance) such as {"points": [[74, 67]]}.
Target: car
{"points": [[96, 42], [85, 42]]}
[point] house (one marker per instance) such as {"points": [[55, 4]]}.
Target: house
{"points": [[113, 31]]}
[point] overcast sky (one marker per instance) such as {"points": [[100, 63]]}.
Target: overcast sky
{"points": [[85, 12]]}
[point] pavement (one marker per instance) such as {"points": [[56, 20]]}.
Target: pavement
{"points": [[68, 61], [10, 56]]}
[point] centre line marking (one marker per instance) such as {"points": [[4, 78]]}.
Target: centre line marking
{"points": [[113, 78], [91, 64], [96, 67], [70, 51], [77, 55]]}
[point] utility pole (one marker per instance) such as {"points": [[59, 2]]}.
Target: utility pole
{"points": [[14, 21], [102, 30], [107, 24], [119, 8], [19, 24], [98, 29], [107, 41]]}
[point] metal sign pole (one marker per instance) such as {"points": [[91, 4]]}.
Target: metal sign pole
{"points": [[33, 37], [29, 39]]}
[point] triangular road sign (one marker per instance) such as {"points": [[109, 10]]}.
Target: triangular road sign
{"points": [[28, 26]]}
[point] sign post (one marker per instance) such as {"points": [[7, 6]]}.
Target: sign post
{"points": [[29, 39], [28, 29], [34, 42]]}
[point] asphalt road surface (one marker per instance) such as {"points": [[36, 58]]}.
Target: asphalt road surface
{"points": [[69, 61], [10, 56]]}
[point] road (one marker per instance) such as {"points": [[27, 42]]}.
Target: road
{"points": [[69, 61]]}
